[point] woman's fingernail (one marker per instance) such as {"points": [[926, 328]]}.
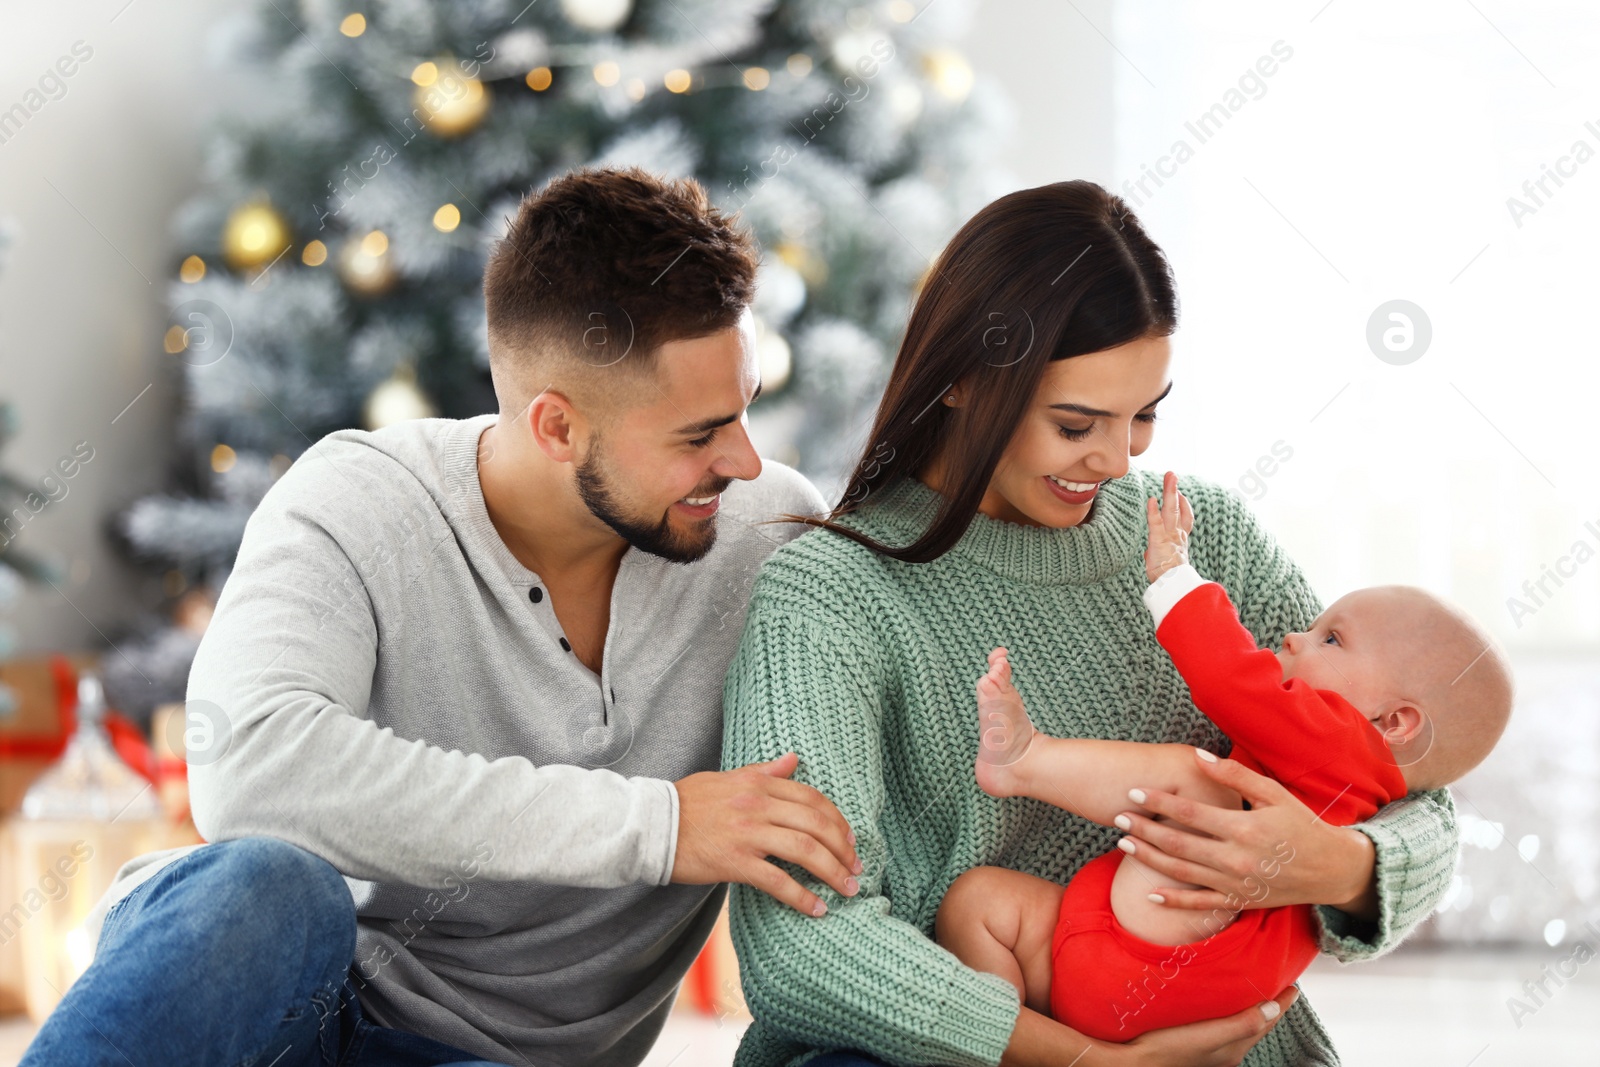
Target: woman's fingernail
{"points": [[1271, 1010], [856, 866], [819, 909], [1136, 795], [1158, 898], [852, 837], [1123, 822], [851, 887], [1126, 845], [1208, 757]]}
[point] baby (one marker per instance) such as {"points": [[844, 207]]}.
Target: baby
{"points": [[1391, 691]]}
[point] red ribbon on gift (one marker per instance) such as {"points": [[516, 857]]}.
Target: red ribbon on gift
{"points": [[126, 738]]}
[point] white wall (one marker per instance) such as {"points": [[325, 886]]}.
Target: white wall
{"points": [[1056, 66], [89, 181]]}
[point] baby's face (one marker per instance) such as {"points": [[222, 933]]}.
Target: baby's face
{"points": [[1348, 649]]}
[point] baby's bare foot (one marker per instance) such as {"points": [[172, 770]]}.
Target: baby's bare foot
{"points": [[1004, 729]]}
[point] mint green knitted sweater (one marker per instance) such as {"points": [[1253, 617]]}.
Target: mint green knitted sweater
{"points": [[865, 667]]}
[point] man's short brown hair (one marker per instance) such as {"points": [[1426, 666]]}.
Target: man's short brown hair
{"points": [[599, 269]]}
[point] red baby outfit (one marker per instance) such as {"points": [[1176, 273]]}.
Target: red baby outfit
{"points": [[1114, 986]]}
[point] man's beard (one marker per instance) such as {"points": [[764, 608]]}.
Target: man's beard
{"points": [[658, 539]]}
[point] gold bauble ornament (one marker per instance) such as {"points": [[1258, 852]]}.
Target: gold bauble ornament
{"points": [[254, 234], [806, 262], [396, 399], [450, 102], [364, 264]]}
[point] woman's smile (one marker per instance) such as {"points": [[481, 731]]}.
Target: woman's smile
{"points": [[1072, 492]]}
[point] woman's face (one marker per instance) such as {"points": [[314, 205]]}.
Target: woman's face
{"points": [[1090, 414]]}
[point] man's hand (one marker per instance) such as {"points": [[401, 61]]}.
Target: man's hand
{"points": [[1168, 544], [730, 822]]}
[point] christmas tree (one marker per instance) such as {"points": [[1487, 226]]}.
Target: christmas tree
{"points": [[328, 273], [19, 501]]}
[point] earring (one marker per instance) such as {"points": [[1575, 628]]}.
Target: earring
{"points": [[951, 397]]}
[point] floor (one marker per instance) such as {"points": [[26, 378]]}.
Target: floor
{"points": [[1449, 1008], [1414, 1008]]}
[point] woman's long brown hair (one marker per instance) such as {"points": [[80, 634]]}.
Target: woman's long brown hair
{"points": [[1041, 274]]}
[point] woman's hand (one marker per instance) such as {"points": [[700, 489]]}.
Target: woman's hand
{"points": [[1039, 1040], [1276, 854], [1214, 1043]]}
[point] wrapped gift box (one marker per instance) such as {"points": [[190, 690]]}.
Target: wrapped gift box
{"points": [[33, 736]]}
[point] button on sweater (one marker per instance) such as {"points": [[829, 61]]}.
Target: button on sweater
{"points": [[865, 666], [392, 692]]}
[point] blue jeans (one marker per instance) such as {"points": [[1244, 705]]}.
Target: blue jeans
{"points": [[236, 955]]}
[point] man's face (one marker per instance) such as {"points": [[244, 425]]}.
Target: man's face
{"points": [[656, 475]]}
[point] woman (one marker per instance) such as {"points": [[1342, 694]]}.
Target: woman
{"points": [[996, 505]]}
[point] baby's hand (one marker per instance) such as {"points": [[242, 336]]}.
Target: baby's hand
{"points": [[1169, 529]]}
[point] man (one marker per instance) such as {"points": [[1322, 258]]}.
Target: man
{"points": [[463, 689]]}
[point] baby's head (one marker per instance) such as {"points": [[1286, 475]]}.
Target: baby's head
{"points": [[1427, 675]]}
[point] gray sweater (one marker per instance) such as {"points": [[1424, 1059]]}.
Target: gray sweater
{"points": [[393, 694]]}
